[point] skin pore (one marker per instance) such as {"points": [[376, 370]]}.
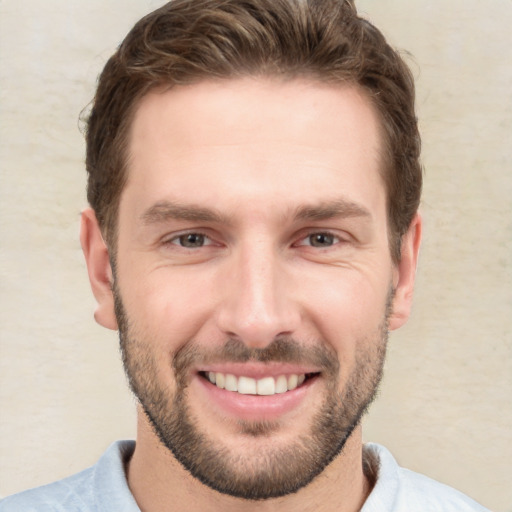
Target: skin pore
{"points": [[252, 242]]}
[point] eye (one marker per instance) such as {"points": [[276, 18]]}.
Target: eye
{"points": [[320, 240], [191, 240]]}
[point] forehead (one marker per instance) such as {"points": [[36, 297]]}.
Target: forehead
{"points": [[254, 140], [257, 108]]}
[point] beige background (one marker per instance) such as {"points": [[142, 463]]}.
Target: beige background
{"points": [[445, 406]]}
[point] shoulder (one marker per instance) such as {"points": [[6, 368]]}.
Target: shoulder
{"points": [[100, 487], [433, 495], [70, 494], [400, 490]]}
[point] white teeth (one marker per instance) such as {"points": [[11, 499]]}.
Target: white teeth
{"points": [[231, 383], [249, 386], [293, 381], [266, 386], [281, 384], [220, 380]]}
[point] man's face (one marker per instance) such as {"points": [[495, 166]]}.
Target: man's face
{"points": [[252, 251]]}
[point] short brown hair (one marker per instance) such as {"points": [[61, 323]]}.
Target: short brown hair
{"points": [[186, 41]]}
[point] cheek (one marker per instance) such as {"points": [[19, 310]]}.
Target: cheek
{"points": [[167, 306], [346, 310], [350, 294]]}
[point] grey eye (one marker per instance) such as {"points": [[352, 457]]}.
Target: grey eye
{"points": [[321, 240], [192, 240]]}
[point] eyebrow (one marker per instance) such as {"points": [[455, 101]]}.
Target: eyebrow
{"points": [[339, 208], [167, 210], [163, 211]]}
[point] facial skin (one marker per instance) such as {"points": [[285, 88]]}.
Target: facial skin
{"points": [[252, 241]]}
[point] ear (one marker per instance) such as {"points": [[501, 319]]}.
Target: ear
{"points": [[99, 269], [405, 273]]}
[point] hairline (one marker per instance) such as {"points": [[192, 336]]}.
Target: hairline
{"points": [[109, 227]]}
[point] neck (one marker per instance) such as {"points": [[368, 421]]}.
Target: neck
{"points": [[159, 483]]}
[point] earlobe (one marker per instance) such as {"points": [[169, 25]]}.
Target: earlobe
{"points": [[405, 274], [98, 266]]}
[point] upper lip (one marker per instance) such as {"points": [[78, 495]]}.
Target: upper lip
{"points": [[258, 370]]}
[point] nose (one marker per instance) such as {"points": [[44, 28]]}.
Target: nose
{"points": [[257, 304]]}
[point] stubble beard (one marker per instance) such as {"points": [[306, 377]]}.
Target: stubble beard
{"points": [[269, 472]]}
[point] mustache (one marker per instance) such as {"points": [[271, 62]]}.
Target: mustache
{"points": [[283, 349]]}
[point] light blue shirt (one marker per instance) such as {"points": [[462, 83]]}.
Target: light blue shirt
{"points": [[100, 488], [103, 488]]}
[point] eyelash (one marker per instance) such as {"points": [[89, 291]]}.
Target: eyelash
{"points": [[175, 240], [326, 234], [178, 240]]}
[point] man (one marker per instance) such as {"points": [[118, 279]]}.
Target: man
{"points": [[253, 234]]}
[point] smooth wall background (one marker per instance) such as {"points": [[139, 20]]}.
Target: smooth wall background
{"points": [[445, 405]]}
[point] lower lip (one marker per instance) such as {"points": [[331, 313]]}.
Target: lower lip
{"points": [[254, 407]]}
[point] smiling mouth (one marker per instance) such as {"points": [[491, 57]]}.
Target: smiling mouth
{"points": [[265, 386]]}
